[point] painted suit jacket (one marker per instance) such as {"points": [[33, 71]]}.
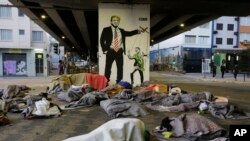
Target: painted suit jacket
{"points": [[107, 37]]}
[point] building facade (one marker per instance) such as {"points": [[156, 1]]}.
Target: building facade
{"points": [[244, 32], [185, 52], [244, 43], [23, 44], [225, 39], [221, 39]]}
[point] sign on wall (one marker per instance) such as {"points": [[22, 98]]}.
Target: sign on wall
{"points": [[124, 42]]}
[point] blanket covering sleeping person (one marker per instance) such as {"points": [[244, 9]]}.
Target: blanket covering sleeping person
{"points": [[121, 129], [192, 127], [122, 108]]}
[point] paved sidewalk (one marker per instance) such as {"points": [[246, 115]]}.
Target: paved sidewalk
{"points": [[173, 77], [29, 81], [84, 120], [228, 77]]}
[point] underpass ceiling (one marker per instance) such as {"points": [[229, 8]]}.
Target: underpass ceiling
{"points": [[77, 20]]}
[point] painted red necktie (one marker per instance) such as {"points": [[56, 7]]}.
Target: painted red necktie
{"points": [[116, 41]]}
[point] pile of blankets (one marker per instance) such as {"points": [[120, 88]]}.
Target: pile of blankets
{"points": [[191, 127]]}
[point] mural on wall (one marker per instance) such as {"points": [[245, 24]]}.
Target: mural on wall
{"points": [[21, 68], [9, 67], [124, 29], [14, 64]]}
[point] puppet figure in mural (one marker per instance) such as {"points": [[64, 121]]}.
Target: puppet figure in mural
{"points": [[138, 64], [113, 45], [21, 67]]}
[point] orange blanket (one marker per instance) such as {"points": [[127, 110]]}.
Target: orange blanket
{"points": [[96, 81]]}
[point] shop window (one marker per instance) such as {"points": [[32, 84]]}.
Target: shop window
{"points": [[14, 64]]}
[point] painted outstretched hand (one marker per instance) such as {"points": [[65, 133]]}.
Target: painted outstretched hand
{"points": [[143, 29]]}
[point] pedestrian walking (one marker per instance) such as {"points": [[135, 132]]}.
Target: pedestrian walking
{"points": [[223, 68], [236, 71], [213, 68]]}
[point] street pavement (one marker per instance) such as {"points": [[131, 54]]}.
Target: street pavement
{"points": [[228, 77], [194, 77], [83, 120], [176, 77]]}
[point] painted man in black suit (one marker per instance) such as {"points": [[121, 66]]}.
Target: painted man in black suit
{"points": [[113, 45]]}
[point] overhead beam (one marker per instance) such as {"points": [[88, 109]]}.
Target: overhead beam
{"points": [[206, 7], [167, 27], [81, 23], [156, 19], [73, 4], [178, 30], [127, 1], [60, 23]]}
